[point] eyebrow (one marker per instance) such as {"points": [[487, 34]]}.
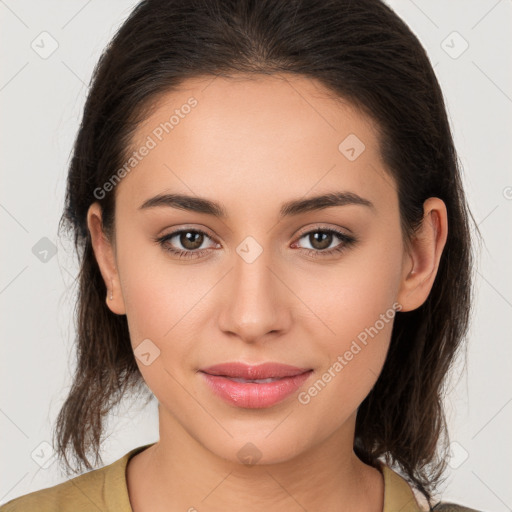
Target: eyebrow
{"points": [[290, 208]]}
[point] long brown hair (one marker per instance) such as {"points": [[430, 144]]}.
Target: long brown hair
{"points": [[362, 52]]}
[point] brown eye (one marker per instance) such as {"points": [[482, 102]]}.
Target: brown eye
{"points": [[185, 243], [320, 239], [191, 240]]}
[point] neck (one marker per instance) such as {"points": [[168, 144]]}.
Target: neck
{"points": [[178, 473]]}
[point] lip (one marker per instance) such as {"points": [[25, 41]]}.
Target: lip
{"points": [[260, 371], [253, 395]]}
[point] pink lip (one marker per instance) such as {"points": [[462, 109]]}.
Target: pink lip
{"points": [[252, 394], [261, 371]]}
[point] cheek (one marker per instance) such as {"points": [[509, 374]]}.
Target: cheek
{"points": [[356, 302], [157, 297], [352, 294], [149, 305], [157, 292], [163, 304]]}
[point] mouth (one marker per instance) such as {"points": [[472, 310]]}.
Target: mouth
{"points": [[255, 373], [254, 387], [255, 381]]}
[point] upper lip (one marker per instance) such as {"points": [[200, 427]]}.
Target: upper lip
{"points": [[261, 371]]}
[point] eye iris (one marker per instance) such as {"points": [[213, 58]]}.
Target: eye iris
{"points": [[325, 239], [191, 240]]}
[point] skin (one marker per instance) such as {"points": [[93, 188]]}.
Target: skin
{"points": [[252, 144]]}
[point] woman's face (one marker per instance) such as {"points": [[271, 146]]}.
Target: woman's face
{"points": [[264, 283]]}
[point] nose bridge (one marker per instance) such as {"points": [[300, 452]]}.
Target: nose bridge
{"points": [[254, 306]]}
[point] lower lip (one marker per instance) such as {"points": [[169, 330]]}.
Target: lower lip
{"points": [[252, 395]]}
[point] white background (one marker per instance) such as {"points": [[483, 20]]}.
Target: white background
{"points": [[41, 102]]}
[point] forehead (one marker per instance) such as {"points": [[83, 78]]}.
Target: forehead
{"points": [[260, 137]]}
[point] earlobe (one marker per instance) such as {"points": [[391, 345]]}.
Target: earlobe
{"points": [[421, 263], [105, 257]]}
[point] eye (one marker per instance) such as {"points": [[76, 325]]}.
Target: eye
{"points": [[321, 240], [190, 239]]}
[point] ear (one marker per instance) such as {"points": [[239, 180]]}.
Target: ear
{"points": [[105, 256], [421, 260]]}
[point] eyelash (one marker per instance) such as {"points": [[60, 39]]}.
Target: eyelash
{"points": [[347, 241]]}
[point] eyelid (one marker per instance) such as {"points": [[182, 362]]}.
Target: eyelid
{"points": [[183, 227], [323, 227], [172, 231]]}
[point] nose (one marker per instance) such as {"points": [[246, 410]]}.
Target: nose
{"points": [[256, 306]]}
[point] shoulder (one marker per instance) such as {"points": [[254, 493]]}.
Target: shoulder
{"points": [[102, 489], [399, 495], [80, 493]]}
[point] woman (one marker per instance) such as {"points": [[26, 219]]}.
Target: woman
{"points": [[273, 236]]}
